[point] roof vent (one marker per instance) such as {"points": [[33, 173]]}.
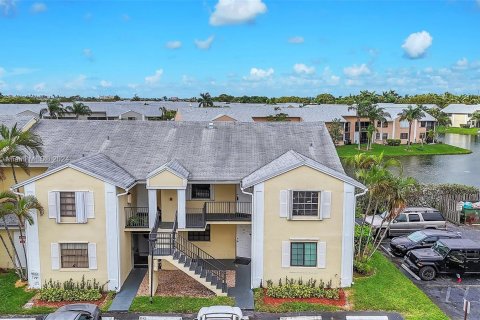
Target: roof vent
{"points": [[210, 125]]}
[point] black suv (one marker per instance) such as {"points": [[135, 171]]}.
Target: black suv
{"points": [[420, 239], [447, 256]]}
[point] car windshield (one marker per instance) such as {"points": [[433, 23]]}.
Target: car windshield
{"points": [[417, 236], [440, 248]]}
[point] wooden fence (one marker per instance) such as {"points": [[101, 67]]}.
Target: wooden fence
{"points": [[447, 204]]}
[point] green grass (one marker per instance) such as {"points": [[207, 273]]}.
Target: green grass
{"points": [[402, 150], [390, 290], [288, 306], [108, 301], [457, 130], [13, 299], [177, 304]]}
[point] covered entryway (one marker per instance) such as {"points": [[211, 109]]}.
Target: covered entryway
{"points": [[140, 249]]}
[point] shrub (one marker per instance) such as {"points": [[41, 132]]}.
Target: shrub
{"points": [[84, 290], [362, 267], [394, 142], [301, 289]]}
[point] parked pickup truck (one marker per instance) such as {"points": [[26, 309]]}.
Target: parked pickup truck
{"points": [[447, 256]]}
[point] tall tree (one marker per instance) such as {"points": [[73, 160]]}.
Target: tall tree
{"points": [[374, 114], [205, 100], [411, 114], [16, 146], [476, 117], [336, 130], [167, 114], [54, 109], [79, 109]]}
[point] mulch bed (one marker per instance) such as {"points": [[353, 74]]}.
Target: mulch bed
{"points": [[341, 302], [40, 303]]}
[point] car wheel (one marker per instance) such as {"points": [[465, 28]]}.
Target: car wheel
{"points": [[397, 254], [427, 273]]}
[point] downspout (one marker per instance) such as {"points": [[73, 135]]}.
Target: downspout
{"points": [[17, 193], [251, 239]]}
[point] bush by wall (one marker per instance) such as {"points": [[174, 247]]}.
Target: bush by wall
{"points": [[298, 289], [394, 142], [84, 290]]}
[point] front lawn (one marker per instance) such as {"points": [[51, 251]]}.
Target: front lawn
{"points": [[13, 299], [402, 150], [390, 290], [457, 130], [177, 304]]}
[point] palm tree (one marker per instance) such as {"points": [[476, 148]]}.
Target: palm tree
{"points": [[79, 109], [167, 114], [411, 114], [6, 202], [476, 117], [16, 146], [374, 114], [205, 100], [54, 109]]}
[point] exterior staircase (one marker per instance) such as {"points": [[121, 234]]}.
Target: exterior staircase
{"points": [[187, 257]]}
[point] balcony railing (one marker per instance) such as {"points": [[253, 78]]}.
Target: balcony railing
{"points": [[136, 217], [218, 211]]}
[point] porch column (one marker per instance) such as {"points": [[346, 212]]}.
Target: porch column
{"points": [[152, 207], [181, 211]]}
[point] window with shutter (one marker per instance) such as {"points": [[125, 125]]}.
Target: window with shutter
{"points": [[74, 255]]}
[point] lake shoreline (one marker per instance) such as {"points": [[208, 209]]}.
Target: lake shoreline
{"points": [[347, 151]]}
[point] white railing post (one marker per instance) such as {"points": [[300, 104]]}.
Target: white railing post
{"points": [[181, 210], [152, 207]]}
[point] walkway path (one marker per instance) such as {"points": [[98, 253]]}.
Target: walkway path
{"points": [[124, 298], [242, 292]]}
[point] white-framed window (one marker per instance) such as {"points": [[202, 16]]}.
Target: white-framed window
{"points": [[200, 191], [384, 136], [73, 255], [404, 135], [305, 204], [71, 206], [377, 136], [67, 204], [304, 253], [404, 124]]}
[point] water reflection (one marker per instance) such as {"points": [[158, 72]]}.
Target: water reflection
{"points": [[464, 169]]}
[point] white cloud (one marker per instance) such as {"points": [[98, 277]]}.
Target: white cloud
{"points": [[2, 71], [88, 53], [236, 11], [175, 44], [204, 44], [76, 83], [416, 44], [296, 40], [7, 7], [38, 7], [353, 82], [154, 79], [462, 63], [132, 85], [356, 71], [301, 68], [259, 74], [105, 84], [39, 87], [478, 2]]}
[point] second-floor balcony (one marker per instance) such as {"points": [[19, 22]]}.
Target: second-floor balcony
{"points": [[218, 211], [136, 217]]}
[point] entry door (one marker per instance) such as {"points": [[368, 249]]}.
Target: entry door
{"points": [[19, 247], [244, 240]]}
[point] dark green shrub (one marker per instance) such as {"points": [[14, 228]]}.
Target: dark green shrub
{"points": [[362, 267], [84, 290], [394, 142], [300, 289]]}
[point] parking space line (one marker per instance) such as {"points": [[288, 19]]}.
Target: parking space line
{"points": [[410, 272], [447, 297], [465, 294], [387, 251]]}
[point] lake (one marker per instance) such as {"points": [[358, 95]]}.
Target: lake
{"points": [[462, 169]]}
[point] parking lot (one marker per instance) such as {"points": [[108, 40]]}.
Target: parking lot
{"points": [[444, 290]]}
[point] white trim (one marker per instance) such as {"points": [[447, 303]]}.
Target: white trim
{"points": [[33, 244], [152, 207], [258, 221], [181, 209], [166, 187], [346, 273], [164, 168], [112, 237]]}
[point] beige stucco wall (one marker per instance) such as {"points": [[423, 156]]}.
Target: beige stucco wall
{"points": [[6, 183], [165, 179], [5, 262], [280, 229], [222, 241], [221, 193], [126, 261], [225, 118], [50, 232], [168, 204], [459, 119]]}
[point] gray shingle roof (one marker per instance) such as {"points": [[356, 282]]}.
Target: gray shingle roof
{"points": [[462, 108], [226, 152], [10, 120], [175, 166], [10, 219], [105, 168], [287, 162]]}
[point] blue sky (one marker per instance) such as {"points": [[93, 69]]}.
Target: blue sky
{"points": [[252, 47]]}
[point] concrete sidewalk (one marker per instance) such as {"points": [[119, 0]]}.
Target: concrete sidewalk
{"points": [[124, 298]]}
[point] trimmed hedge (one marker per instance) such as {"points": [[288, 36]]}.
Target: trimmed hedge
{"points": [[84, 290], [394, 142], [298, 289]]}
